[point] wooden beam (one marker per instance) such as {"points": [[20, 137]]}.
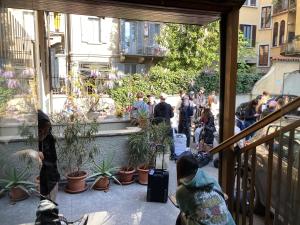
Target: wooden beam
{"points": [[228, 69], [194, 12]]}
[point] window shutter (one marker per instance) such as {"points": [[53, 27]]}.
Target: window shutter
{"points": [[151, 34], [105, 30], [140, 37], [253, 3], [122, 35], [253, 35], [242, 27], [84, 29]]}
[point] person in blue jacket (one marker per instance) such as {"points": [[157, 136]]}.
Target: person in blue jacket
{"points": [[199, 196]]}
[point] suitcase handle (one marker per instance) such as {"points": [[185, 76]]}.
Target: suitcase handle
{"points": [[156, 151]]}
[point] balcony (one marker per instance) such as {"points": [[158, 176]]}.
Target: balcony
{"points": [[151, 51], [292, 48]]}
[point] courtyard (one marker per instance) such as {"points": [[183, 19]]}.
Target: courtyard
{"points": [[125, 205]]}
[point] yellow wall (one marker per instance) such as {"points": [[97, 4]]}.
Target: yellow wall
{"points": [[275, 51], [248, 15], [297, 32]]}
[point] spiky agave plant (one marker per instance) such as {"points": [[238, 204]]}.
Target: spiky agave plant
{"points": [[104, 169], [14, 177]]}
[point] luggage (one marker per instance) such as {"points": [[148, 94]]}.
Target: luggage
{"points": [[179, 144], [158, 184]]}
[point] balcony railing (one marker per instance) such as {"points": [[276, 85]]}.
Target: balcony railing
{"points": [[146, 51], [292, 48]]}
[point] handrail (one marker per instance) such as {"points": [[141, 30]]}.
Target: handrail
{"points": [[258, 125], [271, 136]]}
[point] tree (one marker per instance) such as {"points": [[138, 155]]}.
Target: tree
{"points": [[193, 47]]}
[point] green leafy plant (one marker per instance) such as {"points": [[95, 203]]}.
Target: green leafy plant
{"points": [[14, 177], [104, 169], [142, 146], [5, 94], [139, 148], [78, 145]]}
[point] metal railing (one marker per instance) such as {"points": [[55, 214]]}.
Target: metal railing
{"points": [[292, 48], [145, 51], [266, 171]]}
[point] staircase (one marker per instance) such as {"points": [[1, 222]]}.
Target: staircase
{"points": [[266, 176]]}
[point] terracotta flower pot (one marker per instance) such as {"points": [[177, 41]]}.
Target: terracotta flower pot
{"points": [[126, 175], [17, 194], [143, 174], [143, 123], [102, 184], [76, 182]]}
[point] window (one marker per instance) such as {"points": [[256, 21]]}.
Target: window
{"points": [[91, 30], [138, 38], [249, 32], [281, 32], [265, 17], [28, 19], [250, 3], [263, 55], [131, 68], [275, 34]]}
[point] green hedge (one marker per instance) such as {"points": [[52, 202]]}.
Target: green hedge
{"points": [[160, 80]]}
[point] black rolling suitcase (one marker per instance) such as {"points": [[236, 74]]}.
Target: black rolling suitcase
{"points": [[158, 184]]}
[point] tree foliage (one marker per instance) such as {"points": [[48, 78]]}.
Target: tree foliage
{"points": [[192, 47]]}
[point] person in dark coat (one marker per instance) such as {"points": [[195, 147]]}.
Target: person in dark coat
{"points": [[185, 113], [163, 112], [49, 175], [208, 127], [251, 115]]}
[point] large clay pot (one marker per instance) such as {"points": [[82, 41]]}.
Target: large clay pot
{"points": [[102, 184], [126, 175], [76, 182], [143, 174], [17, 194], [143, 123]]}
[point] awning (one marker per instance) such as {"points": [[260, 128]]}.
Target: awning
{"points": [[188, 11]]}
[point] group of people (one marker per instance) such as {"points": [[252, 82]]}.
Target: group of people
{"points": [[202, 112], [259, 108], [156, 112]]}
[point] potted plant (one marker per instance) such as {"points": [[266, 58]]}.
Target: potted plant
{"points": [[77, 149], [138, 154], [103, 172], [142, 119], [143, 151], [15, 182]]}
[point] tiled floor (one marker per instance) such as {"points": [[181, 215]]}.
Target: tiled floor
{"points": [[121, 205]]}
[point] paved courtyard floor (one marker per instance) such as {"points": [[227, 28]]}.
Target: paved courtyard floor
{"points": [[121, 205]]}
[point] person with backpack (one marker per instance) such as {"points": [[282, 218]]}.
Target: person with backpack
{"points": [[199, 196], [186, 111], [208, 130]]}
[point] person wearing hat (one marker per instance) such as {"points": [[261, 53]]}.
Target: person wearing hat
{"points": [[151, 105], [163, 112], [186, 111], [199, 196], [200, 101], [49, 175]]}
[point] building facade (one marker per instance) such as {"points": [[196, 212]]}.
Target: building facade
{"points": [[272, 29]]}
